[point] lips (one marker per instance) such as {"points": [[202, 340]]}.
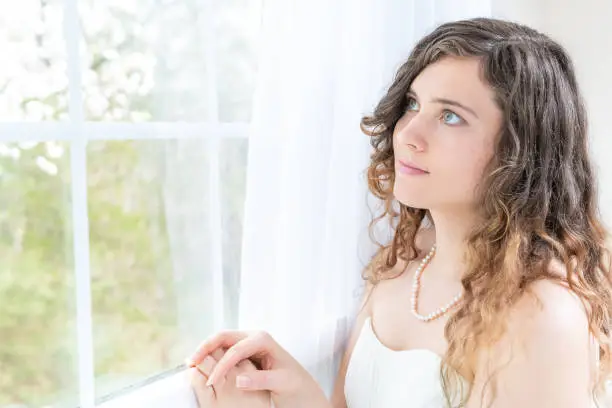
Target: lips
{"points": [[407, 167]]}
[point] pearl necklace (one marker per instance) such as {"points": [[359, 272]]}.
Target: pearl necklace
{"points": [[416, 286]]}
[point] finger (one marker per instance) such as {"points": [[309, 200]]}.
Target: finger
{"points": [[221, 340], [205, 395], [196, 378], [269, 380], [218, 354], [246, 366], [259, 344], [207, 366]]}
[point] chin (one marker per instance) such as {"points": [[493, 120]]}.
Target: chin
{"points": [[411, 197]]}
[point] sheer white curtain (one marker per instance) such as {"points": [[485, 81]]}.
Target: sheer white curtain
{"points": [[323, 65]]}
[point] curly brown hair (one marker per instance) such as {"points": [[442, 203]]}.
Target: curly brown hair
{"points": [[538, 193]]}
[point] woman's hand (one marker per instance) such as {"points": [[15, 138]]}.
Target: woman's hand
{"points": [[225, 395], [291, 386]]}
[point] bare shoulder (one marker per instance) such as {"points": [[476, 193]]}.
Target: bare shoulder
{"points": [[545, 356], [548, 309], [548, 322]]}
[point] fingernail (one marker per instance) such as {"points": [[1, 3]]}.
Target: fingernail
{"points": [[243, 381], [189, 362]]}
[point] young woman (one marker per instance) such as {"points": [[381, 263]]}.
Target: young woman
{"points": [[495, 290]]}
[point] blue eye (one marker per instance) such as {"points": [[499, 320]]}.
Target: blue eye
{"points": [[451, 118], [412, 105]]}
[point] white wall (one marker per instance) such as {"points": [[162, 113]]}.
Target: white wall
{"points": [[584, 27]]}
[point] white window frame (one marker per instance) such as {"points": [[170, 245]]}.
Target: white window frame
{"points": [[174, 391], [78, 133]]}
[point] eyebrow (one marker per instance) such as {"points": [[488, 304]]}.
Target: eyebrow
{"points": [[445, 102]]}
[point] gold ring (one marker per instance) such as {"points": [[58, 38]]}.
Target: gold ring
{"points": [[202, 372]]}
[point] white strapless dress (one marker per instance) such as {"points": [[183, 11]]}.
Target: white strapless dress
{"points": [[378, 377]]}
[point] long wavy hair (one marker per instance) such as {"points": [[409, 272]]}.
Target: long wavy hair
{"points": [[538, 193]]}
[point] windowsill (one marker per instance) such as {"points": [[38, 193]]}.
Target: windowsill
{"points": [[173, 391]]}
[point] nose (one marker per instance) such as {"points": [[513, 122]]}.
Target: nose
{"points": [[411, 133]]}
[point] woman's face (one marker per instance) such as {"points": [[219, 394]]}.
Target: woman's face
{"points": [[448, 131]]}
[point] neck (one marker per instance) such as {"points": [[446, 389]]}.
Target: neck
{"points": [[452, 229]]}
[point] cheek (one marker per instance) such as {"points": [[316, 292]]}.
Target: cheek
{"points": [[395, 136], [465, 165]]}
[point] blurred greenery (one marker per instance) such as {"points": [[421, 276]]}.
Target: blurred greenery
{"points": [[142, 60]]}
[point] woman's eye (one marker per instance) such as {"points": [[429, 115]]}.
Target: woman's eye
{"points": [[451, 118], [412, 105]]}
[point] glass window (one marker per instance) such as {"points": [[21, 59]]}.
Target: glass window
{"points": [[135, 183]]}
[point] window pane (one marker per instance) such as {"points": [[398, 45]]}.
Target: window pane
{"points": [[33, 81], [151, 254], [146, 60], [37, 313]]}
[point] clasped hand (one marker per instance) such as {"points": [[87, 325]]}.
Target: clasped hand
{"points": [[246, 369]]}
